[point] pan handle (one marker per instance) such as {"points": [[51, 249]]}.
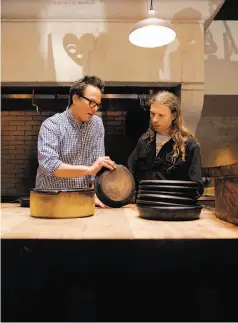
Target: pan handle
{"points": [[51, 192]]}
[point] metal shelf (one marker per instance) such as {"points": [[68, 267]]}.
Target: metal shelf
{"points": [[64, 96]]}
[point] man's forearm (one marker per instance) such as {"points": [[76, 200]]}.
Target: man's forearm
{"points": [[66, 170]]}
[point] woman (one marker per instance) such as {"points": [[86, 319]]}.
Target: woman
{"points": [[167, 151]]}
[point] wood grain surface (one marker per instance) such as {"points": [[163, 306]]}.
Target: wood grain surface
{"points": [[119, 223]]}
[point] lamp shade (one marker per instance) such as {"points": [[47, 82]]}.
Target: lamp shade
{"points": [[152, 32]]}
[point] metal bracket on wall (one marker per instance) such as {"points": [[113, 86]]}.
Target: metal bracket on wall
{"points": [[33, 99], [144, 101], [35, 96], [36, 99]]}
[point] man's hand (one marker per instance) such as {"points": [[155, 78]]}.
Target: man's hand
{"points": [[101, 162], [99, 203]]}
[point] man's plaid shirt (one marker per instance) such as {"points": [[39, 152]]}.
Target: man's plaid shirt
{"points": [[63, 140]]}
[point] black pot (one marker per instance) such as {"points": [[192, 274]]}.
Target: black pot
{"points": [[167, 198], [170, 213], [155, 203], [24, 201], [184, 194], [168, 188], [169, 182]]}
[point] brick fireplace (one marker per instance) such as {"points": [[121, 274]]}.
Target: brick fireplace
{"points": [[125, 118]]}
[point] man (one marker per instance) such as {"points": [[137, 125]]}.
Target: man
{"points": [[167, 150], [71, 144]]}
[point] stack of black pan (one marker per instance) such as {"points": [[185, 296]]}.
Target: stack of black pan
{"points": [[168, 200]]}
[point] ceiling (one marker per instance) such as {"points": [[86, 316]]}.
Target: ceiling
{"points": [[123, 10], [181, 10]]}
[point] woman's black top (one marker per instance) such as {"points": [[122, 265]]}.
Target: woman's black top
{"points": [[145, 164]]}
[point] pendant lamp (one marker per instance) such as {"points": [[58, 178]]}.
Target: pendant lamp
{"points": [[152, 32]]}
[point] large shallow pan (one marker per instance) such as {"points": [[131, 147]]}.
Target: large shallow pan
{"points": [[115, 188], [170, 213]]}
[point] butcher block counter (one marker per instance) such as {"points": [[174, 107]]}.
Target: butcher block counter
{"points": [[108, 223], [94, 268]]}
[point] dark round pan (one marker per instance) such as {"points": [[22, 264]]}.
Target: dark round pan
{"points": [[170, 213], [168, 188], [154, 203], [115, 188], [167, 198], [169, 182], [24, 201], [185, 194]]}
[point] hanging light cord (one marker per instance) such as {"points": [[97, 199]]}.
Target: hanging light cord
{"points": [[151, 5]]}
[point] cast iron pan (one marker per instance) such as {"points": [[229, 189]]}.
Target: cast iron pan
{"points": [[185, 194], [169, 182], [57, 191], [115, 188], [167, 198], [170, 213], [168, 188], [24, 201], [155, 203]]}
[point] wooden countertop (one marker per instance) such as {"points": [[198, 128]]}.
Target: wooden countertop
{"points": [[121, 223]]}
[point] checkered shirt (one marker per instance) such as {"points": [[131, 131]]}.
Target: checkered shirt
{"points": [[63, 140]]}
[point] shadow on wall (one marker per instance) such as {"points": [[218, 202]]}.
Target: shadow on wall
{"points": [[217, 129], [110, 55], [189, 45], [21, 52], [80, 50], [114, 61], [179, 60], [226, 68]]}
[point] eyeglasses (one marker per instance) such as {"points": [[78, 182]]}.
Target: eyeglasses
{"points": [[93, 104]]}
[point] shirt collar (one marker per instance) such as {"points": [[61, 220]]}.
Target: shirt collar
{"points": [[72, 119]]}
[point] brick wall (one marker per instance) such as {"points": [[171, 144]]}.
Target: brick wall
{"points": [[114, 122], [118, 145], [19, 146], [18, 150], [218, 130], [218, 136]]}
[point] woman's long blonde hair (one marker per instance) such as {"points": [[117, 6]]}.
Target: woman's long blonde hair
{"points": [[178, 132]]}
